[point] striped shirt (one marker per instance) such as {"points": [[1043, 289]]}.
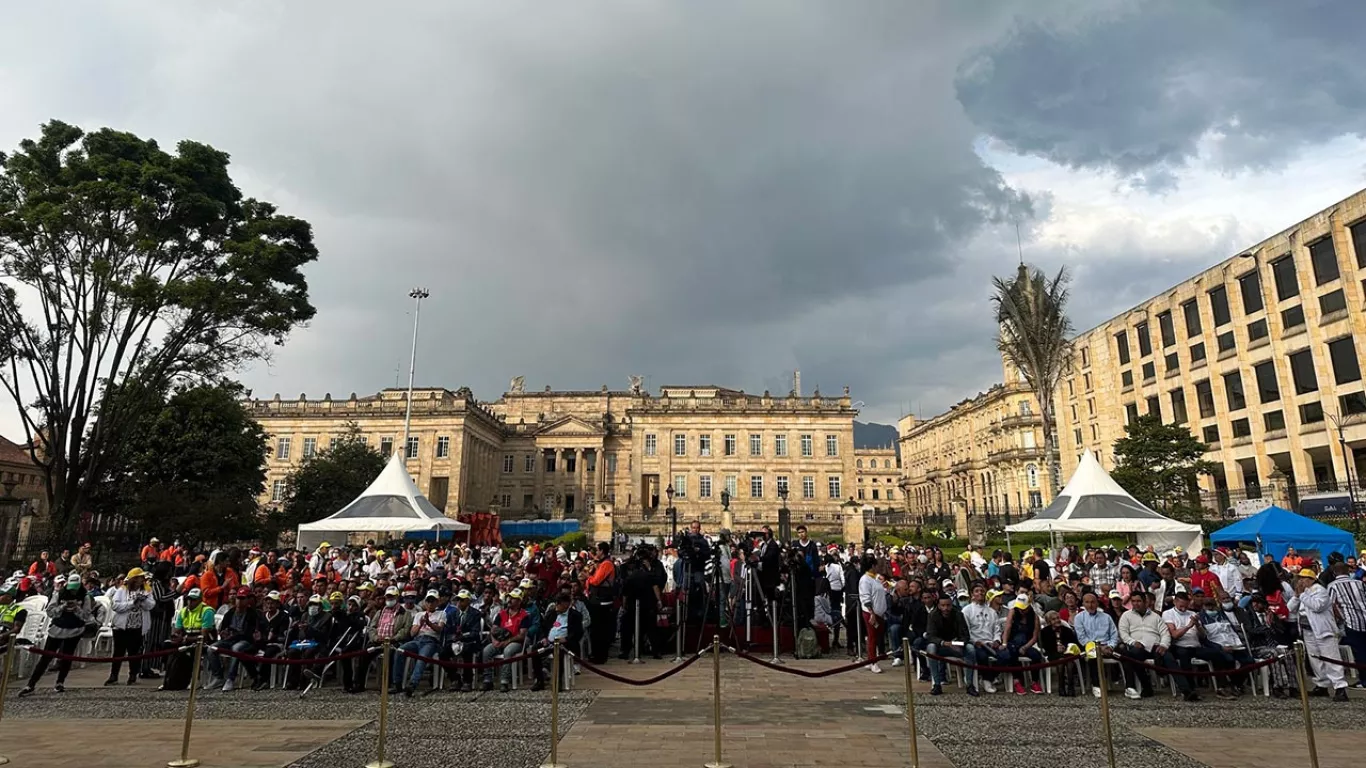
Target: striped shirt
{"points": [[1349, 595]]}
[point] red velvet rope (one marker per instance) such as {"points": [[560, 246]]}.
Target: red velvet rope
{"points": [[253, 658], [806, 673], [957, 662], [1341, 663], [469, 665], [634, 681], [102, 659]]}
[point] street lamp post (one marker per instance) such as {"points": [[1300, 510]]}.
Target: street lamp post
{"points": [[673, 516], [417, 295], [726, 522], [784, 517], [1341, 422]]}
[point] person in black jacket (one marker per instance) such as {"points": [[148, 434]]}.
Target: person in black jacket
{"points": [[1008, 573], [348, 634], [642, 593], [561, 623], [272, 631], [918, 613], [462, 641], [946, 634], [236, 633], [770, 556]]}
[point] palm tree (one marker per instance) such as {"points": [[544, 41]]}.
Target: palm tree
{"points": [[1034, 338]]}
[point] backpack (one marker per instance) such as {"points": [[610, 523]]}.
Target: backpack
{"points": [[807, 645]]}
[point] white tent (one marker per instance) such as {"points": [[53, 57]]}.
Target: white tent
{"points": [[392, 504], [1093, 502]]}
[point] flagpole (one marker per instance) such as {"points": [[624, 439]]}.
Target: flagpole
{"points": [[417, 294]]}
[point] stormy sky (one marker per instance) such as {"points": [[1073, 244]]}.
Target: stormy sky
{"points": [[719, 192]]}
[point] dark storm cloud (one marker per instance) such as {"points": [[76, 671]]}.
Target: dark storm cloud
{"points": [[1134, 87]]}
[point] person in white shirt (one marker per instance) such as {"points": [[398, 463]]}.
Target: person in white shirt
{"points": [[1188, 637], [873, 601], [132, 606], [1226, 570], [1144, 636], [1219, 623], [984, 630], [1313, 603], [834, 575]]}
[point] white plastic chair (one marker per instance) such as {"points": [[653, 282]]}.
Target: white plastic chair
{"points": [[104, 639]]}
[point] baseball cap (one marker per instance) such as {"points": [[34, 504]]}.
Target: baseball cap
{"points": [[1019, 603], [74, 578], [273, 595], [1115, 593], [194, 594], [516, 593], [391, 592], [243, 592], [463, 594], [526, 584], [315, 599], [432, 594], [1308, 574]]}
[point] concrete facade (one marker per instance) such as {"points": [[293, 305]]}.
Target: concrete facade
{"points": [[556, 454], [1256, 354]]}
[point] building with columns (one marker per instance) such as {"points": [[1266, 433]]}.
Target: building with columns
{"points": [[1258, 355], [561, 454]]}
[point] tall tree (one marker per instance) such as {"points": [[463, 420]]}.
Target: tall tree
{"points": [[1031, 315], [134, 266], [328, 480], [1160, 464], [194, 468]]}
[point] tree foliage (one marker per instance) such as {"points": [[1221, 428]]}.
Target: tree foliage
{"points": [[1031, 315], [124, 264], [327, 481], [1160, 464], [192, 468]]}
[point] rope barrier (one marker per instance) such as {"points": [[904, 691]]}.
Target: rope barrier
{"points": [[102, 659], [806, 673], [471, 665], [637, 682], [1194, 673], [1341, 663], [254, 659], [958, 662]]}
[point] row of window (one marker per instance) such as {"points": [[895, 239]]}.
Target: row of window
{"points": [[284, 447], [730, 445], [872, 463], [833, 486]]}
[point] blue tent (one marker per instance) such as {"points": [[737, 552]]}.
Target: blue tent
{"points": [[1273, 530]]}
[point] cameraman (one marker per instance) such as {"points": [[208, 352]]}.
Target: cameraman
{"points": [[770, 558], [690, 574], [642, 589]]}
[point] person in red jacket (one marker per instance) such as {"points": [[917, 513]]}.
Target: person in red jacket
{"points": [[1202, 578]]}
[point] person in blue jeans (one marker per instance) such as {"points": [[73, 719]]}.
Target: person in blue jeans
{"points": [[428, 625], [1021, 638], [946, 634]]}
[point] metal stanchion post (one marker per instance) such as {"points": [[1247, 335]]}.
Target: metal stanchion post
{"points": [[858, 623], [678, 613], [379, 761], [635, 634], [716, 701], [185, 760], [8, 672], [554, 709], [1300, 669], [1104, 706], [907, 660]]}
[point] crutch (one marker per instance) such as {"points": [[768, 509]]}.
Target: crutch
{"points": [[316, 678]]}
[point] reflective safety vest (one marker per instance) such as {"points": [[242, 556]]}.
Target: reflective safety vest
{"points": [[195, 619], [9, 613]]}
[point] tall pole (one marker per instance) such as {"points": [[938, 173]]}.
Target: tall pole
{"points": [[1340, 422], [417, 295]]}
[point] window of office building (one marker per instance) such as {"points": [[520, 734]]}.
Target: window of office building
{"points": [[808, 486], [1126, 378], [1178, 398], [282, 449], [732, 482], [332, 443], [756, 445], [1191, 312], [1358, 231], [651, 445], [1268, 389], [386, 446], [1256, 330], [1130, 413], [780, 445], [680, 445], [310, 447], [1076, 435], [1226, 342], [1204, 398], [1172, 362], [756, 486], [1149, 371], [1122, 345], [529, 462], [1324, 260], [729, 441], [1242, 428], [704, 445], [1273, 420], [507, 463], [1197, 352], [1085, 357], [443, 447], [1287, 281], [1311, 413], [412, 448], [277, 490], [1233, 391], [807, 446], [1343, 353], [780, 485], [833, 485], [1086, 380], [1154, 406], [1210, 434], [1218, 306], [1145, 341], [1332, 302], [1166, 328], [1292, 317], [832, 445], [1302, 371], [1250, 287], [1352, 404]]}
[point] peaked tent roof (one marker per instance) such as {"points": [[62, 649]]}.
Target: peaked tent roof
{"points": [[1273, 529], [1094, 502], [391, 503]]}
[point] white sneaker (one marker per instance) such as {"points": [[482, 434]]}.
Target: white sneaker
{"points": [[875, 669], [1131, 693], [228, 686], [987, 686], [1095, 691], [896, 662], [214, 682]]}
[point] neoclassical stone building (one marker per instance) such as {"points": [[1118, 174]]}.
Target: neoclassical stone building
{"points": [[563, 453]]}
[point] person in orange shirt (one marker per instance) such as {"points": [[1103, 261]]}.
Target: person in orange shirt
{"points": [[1291, 562], [218, 581], [152, 551], [601, 600]]}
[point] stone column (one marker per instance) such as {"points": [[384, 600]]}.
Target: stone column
{"points": [[1278, 489], [537, 476], [580, 483]]}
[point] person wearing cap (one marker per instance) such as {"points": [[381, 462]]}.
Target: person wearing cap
{"points": [[428, 625], [1189, 640], [348, 634], [1313, 604], [1020, 639], [193, 620], [508, 639], [317, 562], [461, 641], [236, 633], [151, 553], [13, 616], [317, 631], [68, 612], [258, 568], [391, 622], [132, 606], [271, 636]]}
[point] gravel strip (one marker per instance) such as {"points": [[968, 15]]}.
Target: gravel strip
{"points": [[505, 730], [1048, 731]]}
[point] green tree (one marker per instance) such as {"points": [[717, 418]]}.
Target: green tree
{"points": [[1031, 315], [327, 481], [194, 468], [1160, 464], [134, 266]]}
